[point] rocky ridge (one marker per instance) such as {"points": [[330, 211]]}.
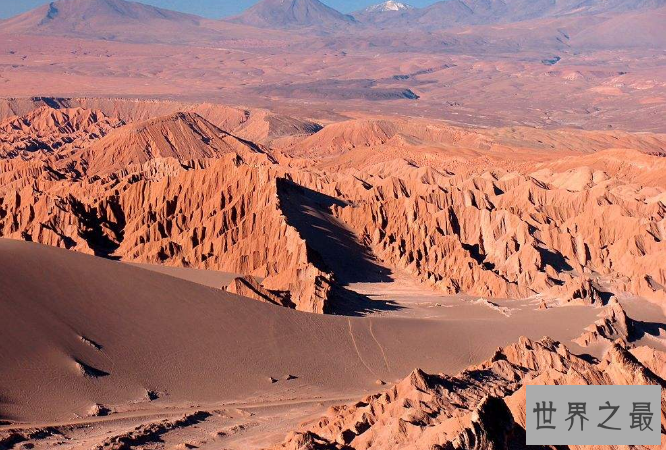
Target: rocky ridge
{"points": [[46, 131], [179, 190], [480, 408], [613, 324]]}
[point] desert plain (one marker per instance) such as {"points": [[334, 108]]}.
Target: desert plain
{"points": [[302, 229]]}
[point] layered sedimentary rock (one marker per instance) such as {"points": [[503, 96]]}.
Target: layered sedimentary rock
{"points": [[256, 125], [363, 142], [581, 291], [480, 408]]}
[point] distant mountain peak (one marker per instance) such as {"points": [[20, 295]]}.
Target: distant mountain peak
{"points": [[90, 9], [292, 14], [387, 6], [104, 19]]}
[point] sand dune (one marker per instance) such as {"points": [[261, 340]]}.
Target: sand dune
{"points": [[77, 337], [211, 278]]}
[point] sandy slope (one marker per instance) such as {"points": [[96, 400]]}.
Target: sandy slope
{"points": [[190, 343], [210, 278], [481, 408]]}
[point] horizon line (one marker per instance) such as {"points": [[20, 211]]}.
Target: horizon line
{"points": [[208, 16]]}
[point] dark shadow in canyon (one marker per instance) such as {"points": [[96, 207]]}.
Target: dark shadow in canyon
{"points": [[639, 329], [332, 247]]}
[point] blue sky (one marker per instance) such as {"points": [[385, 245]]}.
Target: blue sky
{"points": [[207, 8]]}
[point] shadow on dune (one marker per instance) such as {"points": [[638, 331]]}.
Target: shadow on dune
{"points": [[640, 328], [350, 303], [5, 418], [332, 247]]}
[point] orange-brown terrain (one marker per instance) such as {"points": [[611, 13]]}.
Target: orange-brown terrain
{"points": [[394, 234]]}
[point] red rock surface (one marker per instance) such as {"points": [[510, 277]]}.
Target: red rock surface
{"points": [[480, 408], [178, 190]]}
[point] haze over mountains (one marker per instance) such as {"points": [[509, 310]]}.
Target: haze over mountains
{"points": [[93, 17], [479, 12], [442, 14], [557, 26], [119, 20]]}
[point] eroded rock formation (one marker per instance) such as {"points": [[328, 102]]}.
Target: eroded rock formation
{"points": [[46, 131], [480, 408], [507, 234], [178, 190], [613, 324]]}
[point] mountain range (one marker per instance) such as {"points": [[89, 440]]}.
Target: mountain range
{"points": [[442, 14], [120, 20], [133, 21], [450, 13]]}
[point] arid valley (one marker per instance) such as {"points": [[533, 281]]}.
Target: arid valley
{"points": [[301, 229]]}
